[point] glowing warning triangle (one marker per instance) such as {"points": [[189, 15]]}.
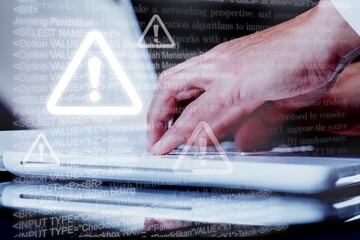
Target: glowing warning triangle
{"points": [[217, 168], [156, 44], [90, 39], [40, 153]]}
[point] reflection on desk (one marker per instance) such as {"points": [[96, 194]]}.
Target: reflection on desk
{"points": [[96, 207]]}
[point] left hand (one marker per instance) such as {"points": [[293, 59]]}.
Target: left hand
{"points": [[344, 97]]}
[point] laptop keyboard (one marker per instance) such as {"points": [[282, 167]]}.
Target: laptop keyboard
{"points": [[231, 150]]}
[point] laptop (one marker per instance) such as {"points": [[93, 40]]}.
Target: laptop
{"points": [[52, 44], [119, 205]]}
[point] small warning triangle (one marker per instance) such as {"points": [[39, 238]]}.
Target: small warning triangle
{"points": [[40, 153], [92, 38], [215, 168], [156, 42]]}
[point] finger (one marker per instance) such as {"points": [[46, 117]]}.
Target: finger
{"points": [[263, 123], [338, 111], [163, 108], [171, 90], [225, 123], [252, 134], [154, 132], [200, 110], [186, 80], [158, 117]]}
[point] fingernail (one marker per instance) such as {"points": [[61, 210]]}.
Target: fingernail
{"points": [[157, 147]]}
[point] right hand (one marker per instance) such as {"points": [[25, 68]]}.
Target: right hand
{"points": [[289, 60]]}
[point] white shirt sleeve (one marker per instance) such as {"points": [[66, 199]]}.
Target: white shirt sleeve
{"points": [[350, 10]]}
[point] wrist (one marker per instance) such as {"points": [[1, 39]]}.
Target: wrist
{"points": [[337, 34]]}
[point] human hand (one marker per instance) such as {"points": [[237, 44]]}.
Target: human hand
{"points": [[282, 62], [256, 131]]}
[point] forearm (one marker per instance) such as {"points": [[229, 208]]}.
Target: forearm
{"points": [[340, 37]]}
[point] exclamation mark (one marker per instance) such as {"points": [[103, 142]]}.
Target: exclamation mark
{"points": [[94, 65], [202, 149], [156, 33], [41, 151]]}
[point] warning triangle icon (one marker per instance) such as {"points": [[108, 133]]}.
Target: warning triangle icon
{"points": [[203, 166], [41, 154], [94, 38], [152, 34]]}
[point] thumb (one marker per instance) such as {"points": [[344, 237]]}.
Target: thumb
{"points": [[262, 125]]}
